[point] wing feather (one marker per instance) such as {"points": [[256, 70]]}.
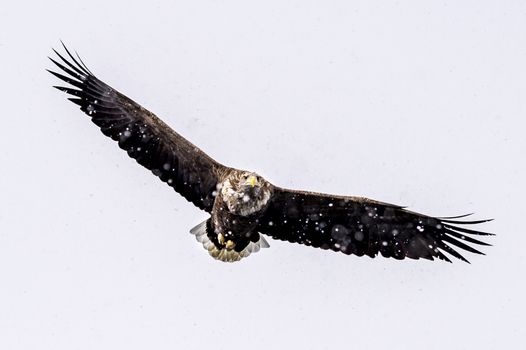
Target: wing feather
{"points": [[360, 226], [143, 135]]}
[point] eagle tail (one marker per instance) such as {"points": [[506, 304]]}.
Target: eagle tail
{"points": [[201, 235]]}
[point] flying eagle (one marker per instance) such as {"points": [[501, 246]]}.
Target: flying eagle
{"points": [[243, 206]]}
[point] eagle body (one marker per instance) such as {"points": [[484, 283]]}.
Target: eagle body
{"points": [[231, 231], [244, 207], [240, 201]]}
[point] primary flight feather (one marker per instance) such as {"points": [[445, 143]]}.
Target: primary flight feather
{"points": [[243, 206]]}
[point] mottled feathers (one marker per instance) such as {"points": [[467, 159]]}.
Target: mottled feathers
{"points": [[359, 226]]}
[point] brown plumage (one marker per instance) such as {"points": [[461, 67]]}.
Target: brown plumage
{"points": [[243, 205]]}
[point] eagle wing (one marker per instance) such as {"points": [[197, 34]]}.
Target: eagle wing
{"points": [[360, 226], [145, 137]]}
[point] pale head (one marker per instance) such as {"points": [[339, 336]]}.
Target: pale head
{"points": [[245, 192]]}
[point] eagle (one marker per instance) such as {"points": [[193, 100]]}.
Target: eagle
{"points": [[243, 206]]}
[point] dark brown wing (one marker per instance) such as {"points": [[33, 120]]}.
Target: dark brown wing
{"points": [[145, 137], [355, 225]]}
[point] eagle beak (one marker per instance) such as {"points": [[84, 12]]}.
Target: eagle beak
{"points": [[252, 181]]}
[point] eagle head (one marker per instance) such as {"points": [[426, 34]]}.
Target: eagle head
{"points": [[245, 192]]}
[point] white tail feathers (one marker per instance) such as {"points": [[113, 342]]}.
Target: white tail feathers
{"points": [[223, 254]]}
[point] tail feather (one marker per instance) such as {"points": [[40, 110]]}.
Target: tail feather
{"points": [[225, 255]]}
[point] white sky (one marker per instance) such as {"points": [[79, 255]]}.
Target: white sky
{"points": [[410, 103]]}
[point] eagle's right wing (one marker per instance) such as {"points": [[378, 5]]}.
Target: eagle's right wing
{"points": [[145, 137], [360, 226]]}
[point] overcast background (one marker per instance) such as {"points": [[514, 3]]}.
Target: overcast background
{"points": [[416, 104]]}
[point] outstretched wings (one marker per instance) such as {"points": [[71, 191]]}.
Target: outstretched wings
{"points": [[355, 225], [145, 137]]}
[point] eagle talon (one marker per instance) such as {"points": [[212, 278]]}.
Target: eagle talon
{"points": [[230, 244]]}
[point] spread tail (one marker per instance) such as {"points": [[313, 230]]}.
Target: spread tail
{"points": [[200, 233]]}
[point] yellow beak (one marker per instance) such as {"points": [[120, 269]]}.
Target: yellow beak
{"points": [[252, 181]]}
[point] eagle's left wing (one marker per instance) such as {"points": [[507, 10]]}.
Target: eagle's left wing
{"points": [[360, 226], [145, 137]]}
